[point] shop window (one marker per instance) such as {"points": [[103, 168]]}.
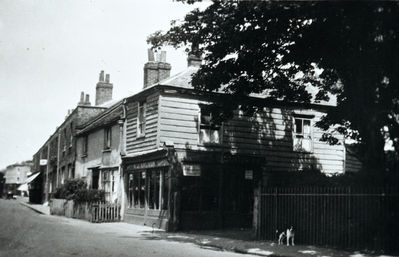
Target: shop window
{"points": [[153, 181], [302, 136], [141, 117], [131, 190], [149, 187], [209, 130], [107, 138]]}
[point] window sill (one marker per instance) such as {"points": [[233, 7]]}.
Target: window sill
{"points": [[303, 151], [83, 155], [106, 150], [140, 137], [220, 145]]}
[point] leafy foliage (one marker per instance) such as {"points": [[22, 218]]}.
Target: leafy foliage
{"points": [[76, 189], [277, 48]]}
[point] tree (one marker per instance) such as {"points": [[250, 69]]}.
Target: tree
{"points": [[278, 48]]}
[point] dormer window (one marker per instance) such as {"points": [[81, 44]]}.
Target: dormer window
{"points": [[302, 135], [209, 130], [141, 115]]}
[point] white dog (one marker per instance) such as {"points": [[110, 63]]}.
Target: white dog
{"points": [[289, 234]]}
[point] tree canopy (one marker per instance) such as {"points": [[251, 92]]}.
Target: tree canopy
{"points": [[345, 48]]}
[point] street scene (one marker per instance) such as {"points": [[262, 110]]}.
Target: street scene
{"points": [[199, 128]]}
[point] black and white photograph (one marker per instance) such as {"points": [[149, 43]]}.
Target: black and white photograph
{"points": [[190, 128]]}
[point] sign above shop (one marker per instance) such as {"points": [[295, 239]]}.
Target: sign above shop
{"points": [[249, 174], [193, 170], [43, 162]]}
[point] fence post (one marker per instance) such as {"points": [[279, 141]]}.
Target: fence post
{"points": [[275, 209]]}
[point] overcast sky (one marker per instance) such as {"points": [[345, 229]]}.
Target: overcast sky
{"points": [[50, 51]]}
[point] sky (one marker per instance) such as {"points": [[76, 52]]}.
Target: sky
{"points": [[50, 51]]}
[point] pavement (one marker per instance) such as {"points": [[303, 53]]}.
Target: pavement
{"points": [[237, 241], [39, 208]]}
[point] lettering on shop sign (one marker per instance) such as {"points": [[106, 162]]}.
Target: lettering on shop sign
{"points": [[193, 170], [249, 174]]}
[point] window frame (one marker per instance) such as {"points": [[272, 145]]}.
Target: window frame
{"points": [[141, 119], [85, 145], [297, 135], [209, 127], [71, 135], [107, 138]]}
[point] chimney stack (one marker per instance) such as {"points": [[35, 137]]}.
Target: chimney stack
{"points": [[156, 70], [103, 89], [194, 61]]}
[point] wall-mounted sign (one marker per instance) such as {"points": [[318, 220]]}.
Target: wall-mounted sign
{"points": [[43, 162], [249, 174], [193, 170]]}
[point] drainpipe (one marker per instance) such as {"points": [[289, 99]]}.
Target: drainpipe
{"points": [[46, 185], [58, 159], [122, 152]]}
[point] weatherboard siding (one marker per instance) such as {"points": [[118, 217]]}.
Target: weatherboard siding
{"points": [[268, 135], [147, 142]]}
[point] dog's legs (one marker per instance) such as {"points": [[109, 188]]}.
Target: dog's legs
{"points": [[293, 240]]}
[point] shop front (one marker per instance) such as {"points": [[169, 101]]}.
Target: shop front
{"points": [[190, 190]]}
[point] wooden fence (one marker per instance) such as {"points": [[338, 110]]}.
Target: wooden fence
{"points": [[356, 218], [105, 212]]}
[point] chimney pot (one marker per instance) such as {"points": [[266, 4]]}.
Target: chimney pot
{"points": [[150, 55], [101, 79], [163, 56], [87, 101], [82, 96], [107, 78]]}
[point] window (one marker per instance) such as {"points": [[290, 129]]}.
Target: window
{"points": [[148, 189], [302, 135], [85, 145], [209, 131], [65, 140], [71, 136], [95, 178], [107, 138], [141, 115], [62, 175], [108, 184]]}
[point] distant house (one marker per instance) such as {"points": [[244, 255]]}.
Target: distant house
{"points": [[183, 171], [16, 175]]}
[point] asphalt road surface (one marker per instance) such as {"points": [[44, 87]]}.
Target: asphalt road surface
{"points": [[24, 232]]}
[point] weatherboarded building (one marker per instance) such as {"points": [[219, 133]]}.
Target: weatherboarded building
{"points": [[183, 171]]}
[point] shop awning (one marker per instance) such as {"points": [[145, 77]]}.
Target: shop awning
{"points": [[23, 187], [31, 178]]}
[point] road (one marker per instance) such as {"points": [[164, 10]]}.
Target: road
{"points": [[24, 232]]}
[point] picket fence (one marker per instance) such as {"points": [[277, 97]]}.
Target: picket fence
{"points": [[354, 218], [105, 212], [94, 212]]}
